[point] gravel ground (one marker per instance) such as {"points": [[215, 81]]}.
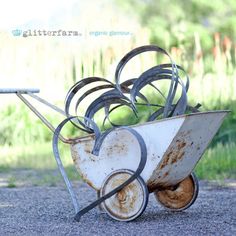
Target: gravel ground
{"points": [[48, 211]]}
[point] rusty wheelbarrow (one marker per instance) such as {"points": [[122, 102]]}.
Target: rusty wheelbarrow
{"points": [[174, 147], [128, 163]]}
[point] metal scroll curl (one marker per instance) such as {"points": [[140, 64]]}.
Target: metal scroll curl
{"points": [[99, 138], [128, 93]]}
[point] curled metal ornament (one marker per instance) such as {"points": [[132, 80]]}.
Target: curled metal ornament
{"points": [[115, 95], [99, 138]]}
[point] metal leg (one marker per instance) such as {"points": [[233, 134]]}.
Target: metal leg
{"points": [[61, 168]]}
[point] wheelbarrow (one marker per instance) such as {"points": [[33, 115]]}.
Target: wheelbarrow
{"points": [[128, 163]]}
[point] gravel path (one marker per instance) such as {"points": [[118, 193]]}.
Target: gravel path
{"points": [[48, 211]]}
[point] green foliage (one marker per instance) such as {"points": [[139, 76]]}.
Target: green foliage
{"points": [[20, 126], [227, 132], [173, 22], [199, 31]]}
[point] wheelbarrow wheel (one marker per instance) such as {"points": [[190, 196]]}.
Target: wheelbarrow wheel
{"points": [[130, 202], [181, 196]]}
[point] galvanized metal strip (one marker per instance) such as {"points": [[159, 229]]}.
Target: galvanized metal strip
{"points": [[80, 84], [75, 89], [140, 50], [107, 100], [134, 53], [160, 73]]}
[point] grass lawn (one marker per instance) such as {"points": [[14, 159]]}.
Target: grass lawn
{"points": [[218, 163]]}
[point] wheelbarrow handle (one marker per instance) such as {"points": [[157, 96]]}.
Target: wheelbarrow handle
{"points": [[19, 90]]}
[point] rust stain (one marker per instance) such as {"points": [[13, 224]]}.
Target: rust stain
{"points": [[184, 134], [126, 198], [154, 186], [88, 146], [177, 157], [173, 155], [180, 144], [90, 137], [166, 159], [120, 149], [76, 159], [74, 154], [166, 174], [86, 180]]}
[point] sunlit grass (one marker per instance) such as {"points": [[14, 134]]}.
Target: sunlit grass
{"points": [[218, 163], [16, 162], [37, 156]]}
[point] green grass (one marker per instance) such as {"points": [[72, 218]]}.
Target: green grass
{"points": [[218, 163], [35, 156], [16, 163]]}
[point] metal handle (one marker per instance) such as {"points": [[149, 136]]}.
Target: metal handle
{"points": [[39, 115], [19, 90]]}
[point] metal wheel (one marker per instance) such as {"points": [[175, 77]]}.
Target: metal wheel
{"points": [[181, 197], [130, 202]]}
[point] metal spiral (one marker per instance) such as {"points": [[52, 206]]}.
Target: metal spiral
{"points": [[126, 94]]}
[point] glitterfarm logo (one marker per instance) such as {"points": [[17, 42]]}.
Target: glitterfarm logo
{"points": [[30, 33], [56, 33]]}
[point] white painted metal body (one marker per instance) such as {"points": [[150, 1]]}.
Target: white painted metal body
{"points": [[174, 146]]}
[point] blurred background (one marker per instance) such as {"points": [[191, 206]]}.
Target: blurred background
{"points": [[199, 35]]}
